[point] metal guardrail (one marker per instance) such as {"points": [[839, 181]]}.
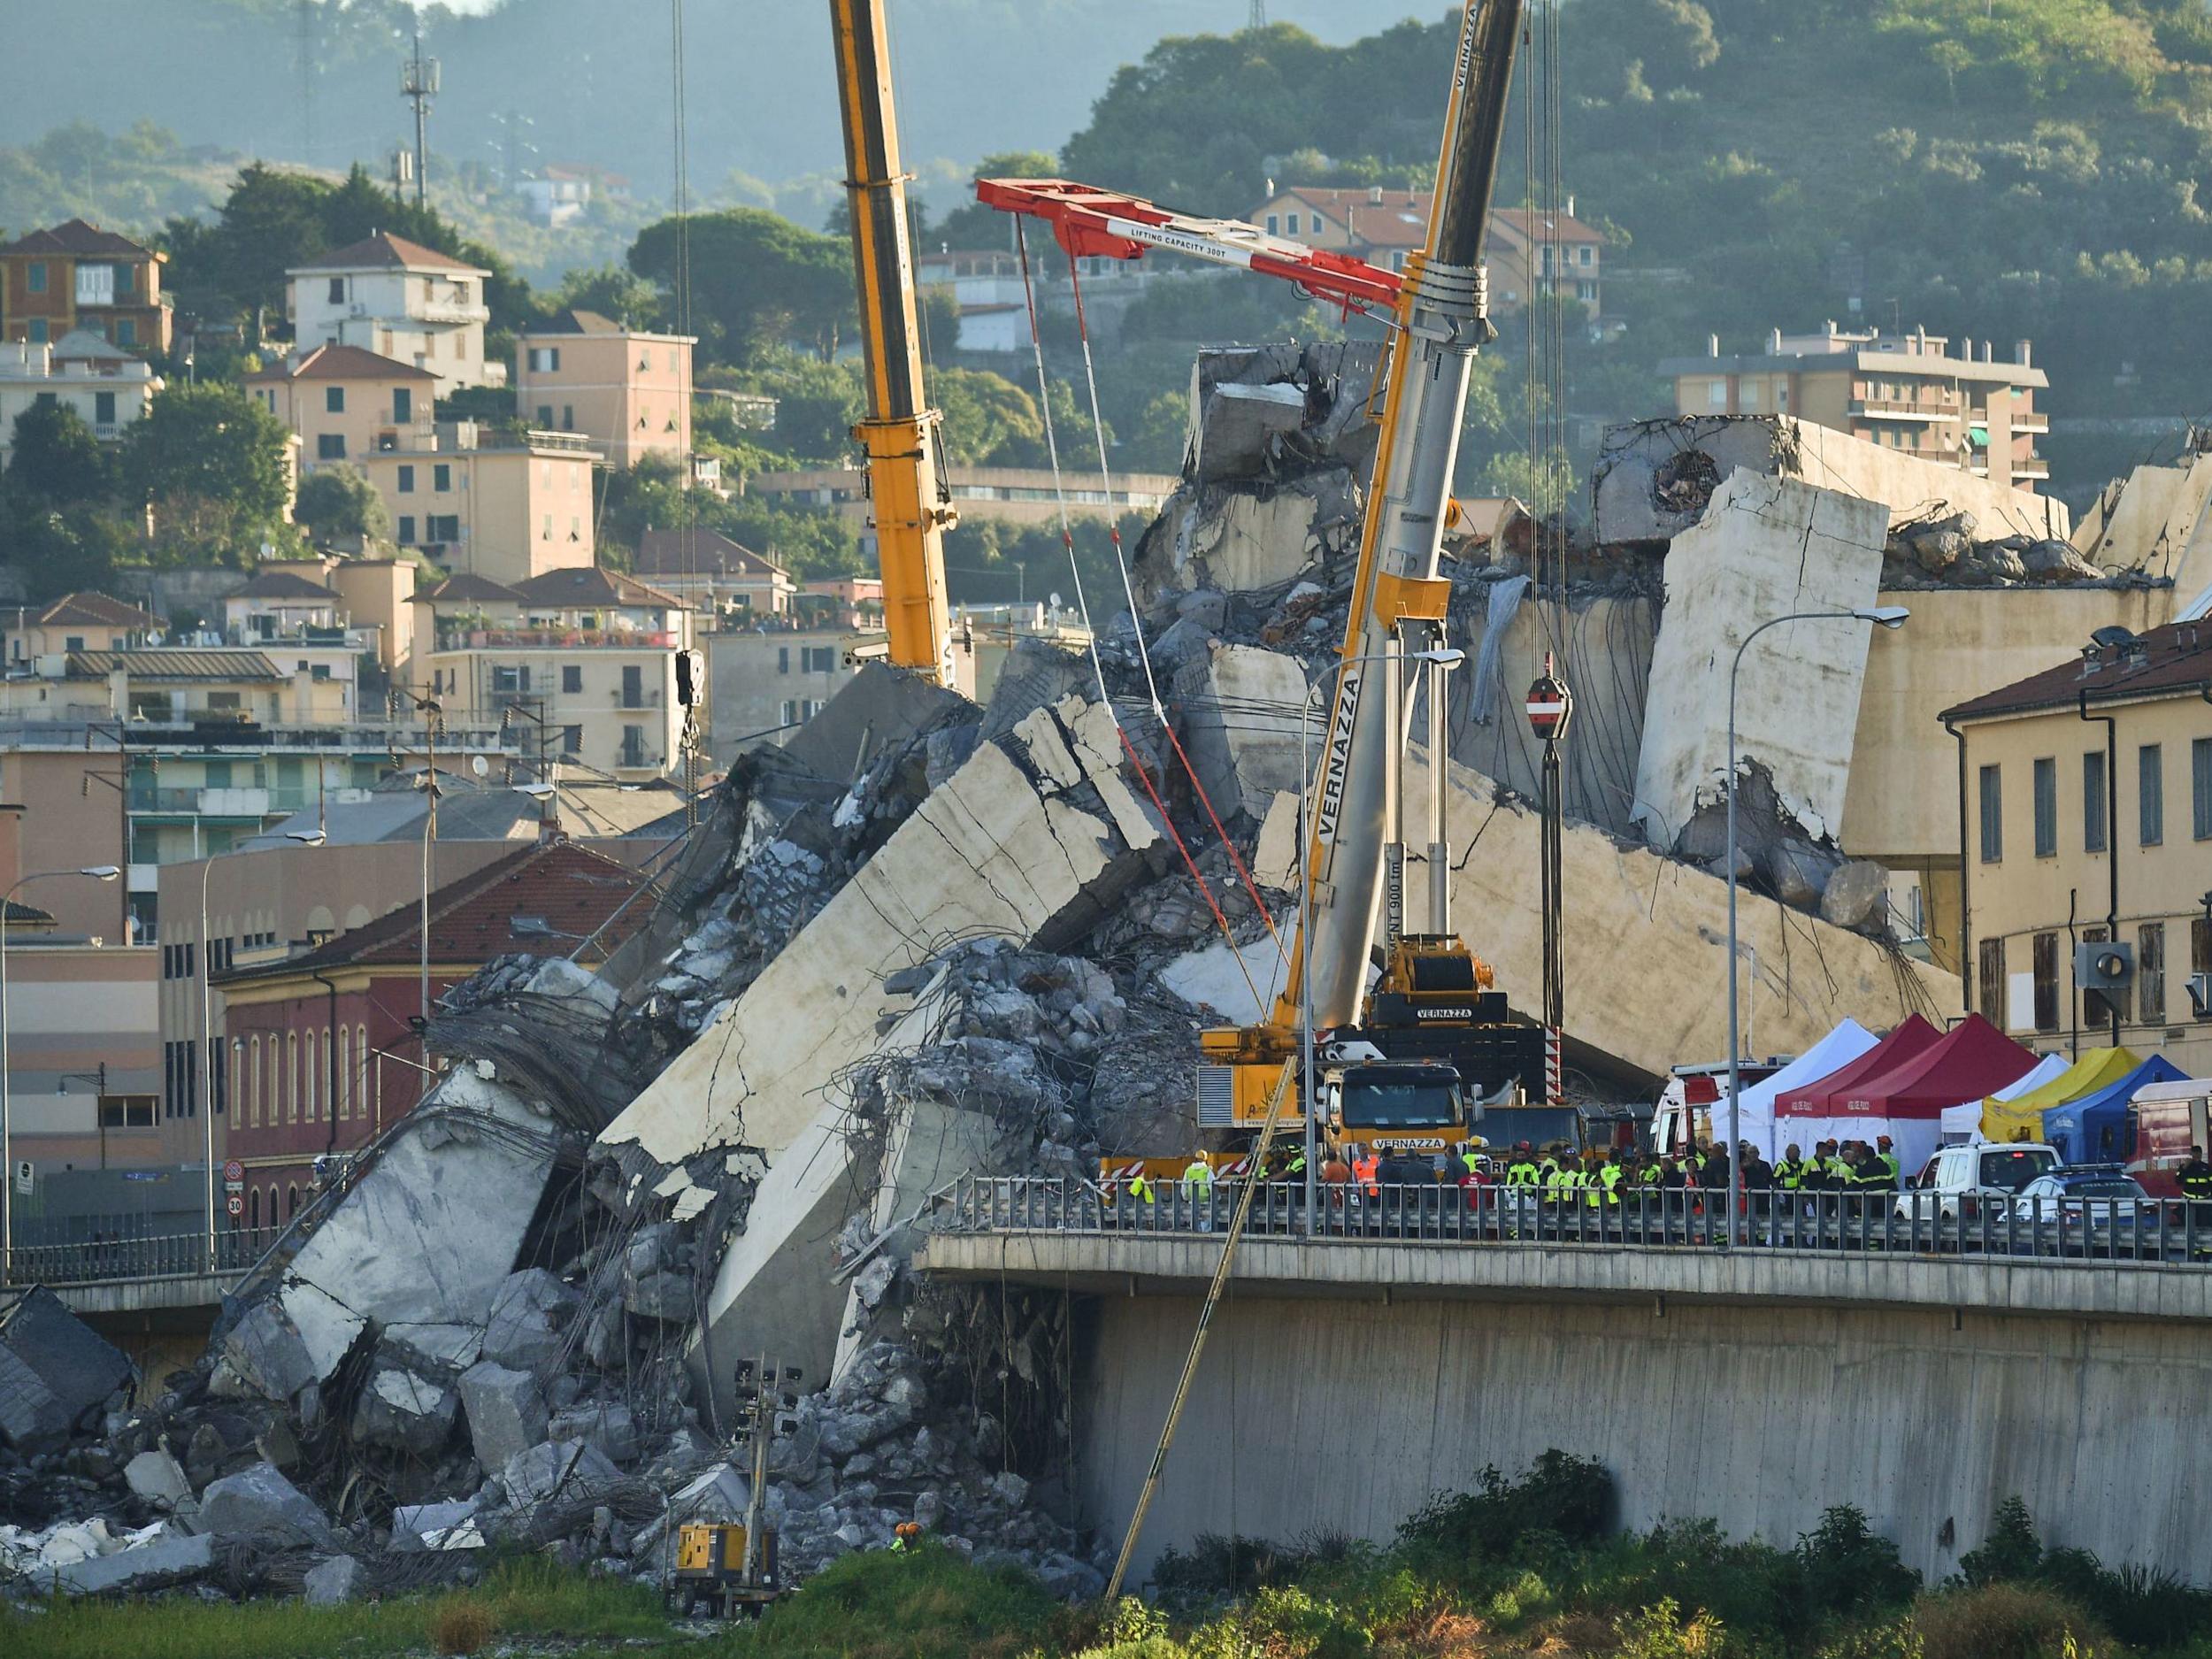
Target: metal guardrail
{"points": [[108, 1261], [2095, 1230]]}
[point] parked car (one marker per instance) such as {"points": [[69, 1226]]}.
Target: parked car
{"points": [[2099, 1209], [1959, 1181]]}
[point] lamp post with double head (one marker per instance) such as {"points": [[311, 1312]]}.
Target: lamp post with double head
{"points": [[97, 872], [1881, 616], [1441, 658]]}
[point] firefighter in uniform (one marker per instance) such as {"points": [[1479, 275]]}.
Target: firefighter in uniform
{"points": [[2194, 1178], [1140, 1193], [1198, 1187], [1885, 1158]]}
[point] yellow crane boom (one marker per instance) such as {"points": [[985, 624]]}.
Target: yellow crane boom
{"points": [[901, 434]]}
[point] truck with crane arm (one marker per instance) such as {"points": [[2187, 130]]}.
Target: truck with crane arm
{"points": [[1435, 1002]]}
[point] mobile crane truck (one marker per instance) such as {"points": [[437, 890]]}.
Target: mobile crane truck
{"points": [[1435, 1002]]}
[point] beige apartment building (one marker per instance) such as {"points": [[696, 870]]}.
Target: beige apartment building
{"points": [[628, 390], [580, 664], [2088, 818], [1905, 392], [485, 504], [714, 574], [397, 299], [344, 401], [75, 622]]}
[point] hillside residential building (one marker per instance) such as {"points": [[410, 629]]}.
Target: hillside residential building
{"points": [[82, 1066], [343, 402], [75, 622], [1527, 252], [625, 390], [109, 389], [580, 664], [1906, 393], [399, 299], [486, 504], [77, 277], [764, 684], [153, 757], [2076, 831], [986, 286], [312, 1038], [715, 573], [1005, 494], [558, 196]]}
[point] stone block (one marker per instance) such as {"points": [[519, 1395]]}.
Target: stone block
{"points": [[506, 1412], [56, 1372], [333, 1582], [1857, 896], [412, 1523], [260, 1503], [264, 1350]]}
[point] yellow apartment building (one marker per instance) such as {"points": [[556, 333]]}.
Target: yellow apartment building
{"points": [[628, 390], [2087, 797]]}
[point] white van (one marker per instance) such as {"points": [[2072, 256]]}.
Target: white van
{"points": [[1959, 1181]]}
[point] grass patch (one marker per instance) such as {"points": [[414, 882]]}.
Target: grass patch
{"points": [[519, 1598], [927, 1603]]}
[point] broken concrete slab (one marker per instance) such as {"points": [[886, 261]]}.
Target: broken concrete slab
{"points": [[1766, 547], [1243, 708], [505, 1409], [169, 1559], [1276, 854], [564, 1469], [334, 1582], [607, 1425], [1653, 478], [1857, 896], [433, 1225], [1648, 936], [403, 1412], [413, 1523], [56, 1372], [260, 1503], [526, 1325], [159, 1478], [1002, 848], [1266, 410], [264, 1354]]}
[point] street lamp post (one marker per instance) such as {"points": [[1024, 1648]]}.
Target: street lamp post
{"points": [[97, 872], [1881, 616], [305, 838], [1442, 657]]}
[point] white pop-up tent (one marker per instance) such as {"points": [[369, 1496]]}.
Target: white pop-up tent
{"points": [[1964, 1123], [1846, 1043]]}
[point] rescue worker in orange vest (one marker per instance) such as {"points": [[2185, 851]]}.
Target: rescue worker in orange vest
{"points": [[1367, 1170]]}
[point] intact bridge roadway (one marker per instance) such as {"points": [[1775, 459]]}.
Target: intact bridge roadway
{"points": [[1921, 1368]]}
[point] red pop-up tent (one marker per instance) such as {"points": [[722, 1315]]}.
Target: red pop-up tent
{"points": [[1973, 1056], [1905, 1097], [1913, 1036]]}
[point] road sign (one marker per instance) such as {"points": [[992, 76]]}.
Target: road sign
{"points": [[234, 1171], [25, 1177], [235, 1205]]}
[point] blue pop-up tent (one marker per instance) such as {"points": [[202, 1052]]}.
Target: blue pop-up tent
{"points": [[2094, 1129]]}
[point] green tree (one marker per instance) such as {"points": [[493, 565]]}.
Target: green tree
{"points": [[613, 292], [62, 549], [56, 458], [1157, 442], [340, 502], [757, 281], [987, 418], [210, 462]]}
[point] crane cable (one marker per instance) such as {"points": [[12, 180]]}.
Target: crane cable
{"points": [[1098, 668], [1144, 654]]}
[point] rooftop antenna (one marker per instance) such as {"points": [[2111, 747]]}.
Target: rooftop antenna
{"points": [[418, 84], [1259, 15], [305, 18]]}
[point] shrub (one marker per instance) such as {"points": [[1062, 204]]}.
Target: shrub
{"points": [[1233, 1567], [2012, 1552], [2003, 1621], [462, 1626], [1845, 1567], [1570, 1497], [1658, 1632]]}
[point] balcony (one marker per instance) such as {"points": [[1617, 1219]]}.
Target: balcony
{"points": [[451, 311], [460, 639], [1893, 409]]}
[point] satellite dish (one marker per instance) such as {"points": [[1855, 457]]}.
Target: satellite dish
{"points": [[481, 767], [1054, 601]]}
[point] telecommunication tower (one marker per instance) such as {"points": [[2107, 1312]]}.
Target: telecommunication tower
{"points": [[418, 84]]}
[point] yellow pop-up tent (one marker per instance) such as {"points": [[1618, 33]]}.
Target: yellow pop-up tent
{"points": [[2022, 1118]]}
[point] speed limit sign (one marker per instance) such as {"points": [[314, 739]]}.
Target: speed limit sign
{"points": [[235, 1205]]}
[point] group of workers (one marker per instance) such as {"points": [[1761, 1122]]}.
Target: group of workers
{"points": [[1559, 1174]]}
